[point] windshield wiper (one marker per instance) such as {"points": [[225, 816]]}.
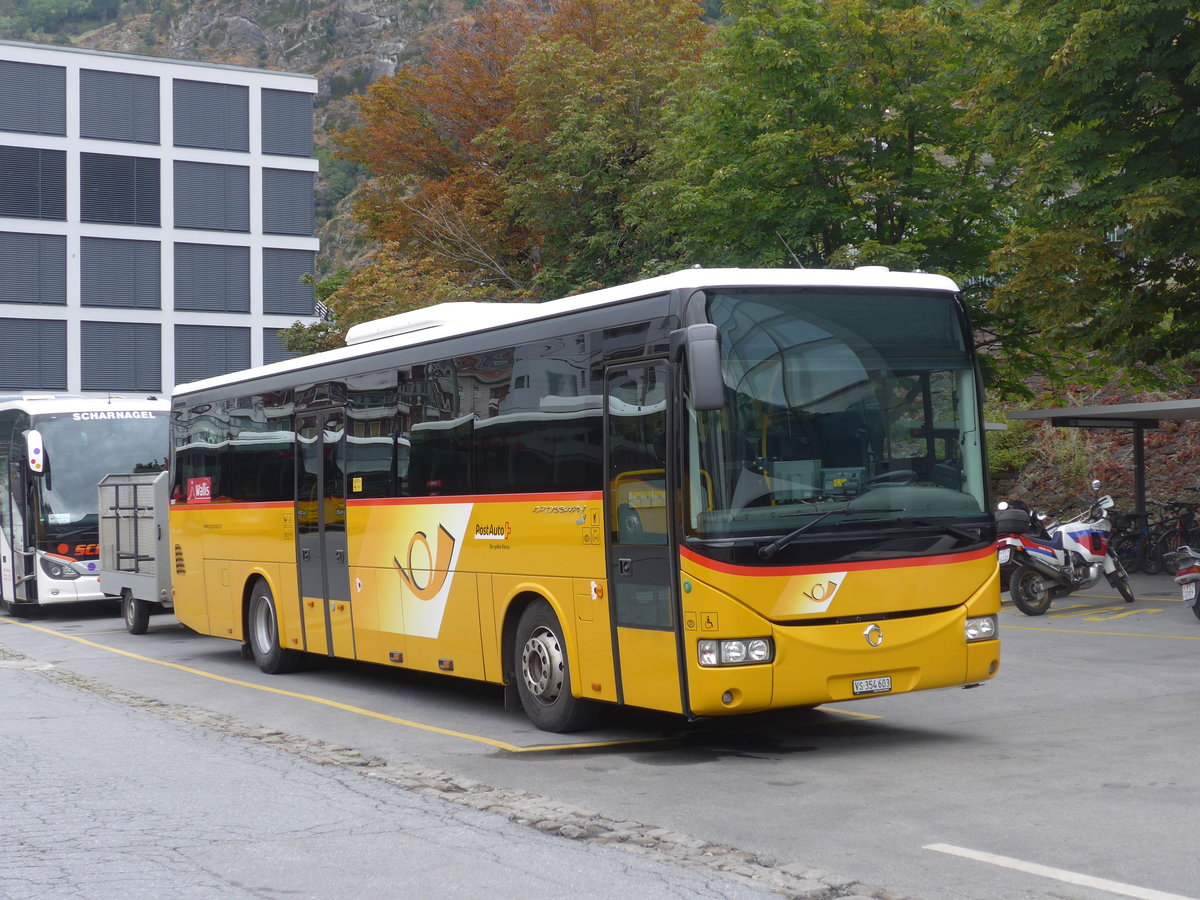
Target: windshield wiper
{"points": [[769, 550], [952, 530], [66, 535]]}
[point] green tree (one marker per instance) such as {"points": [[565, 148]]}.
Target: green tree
{"points": [[832, 133], [501, 163], [596, 92], [836, 133], [1098, 106]]}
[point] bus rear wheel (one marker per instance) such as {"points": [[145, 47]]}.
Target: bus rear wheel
{"points": [[544, 673], [263, 634]]}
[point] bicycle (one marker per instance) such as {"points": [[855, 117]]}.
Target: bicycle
{"points": [[1136, 542], [1182, 530]]}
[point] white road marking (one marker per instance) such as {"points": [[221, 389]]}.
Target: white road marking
{"points": [[1103, 884]]}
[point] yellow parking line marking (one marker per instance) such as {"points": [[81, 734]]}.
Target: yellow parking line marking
{"points": [[94, 633], [1142, 599], [849, 713], [1169, 637], [383, 717], [1064, 875], [345, 707]]}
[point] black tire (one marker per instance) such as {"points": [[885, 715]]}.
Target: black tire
{"points": [[1196, 609], [1130, 549], [1169, 542], [1120, 580], [15, 608], [543, 673], [1152, 559], [262, 633], [135, 612], [1030, 591]]}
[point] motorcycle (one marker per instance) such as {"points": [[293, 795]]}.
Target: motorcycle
{"points": [[1016, 518], [1186, 563], [1063, 558]]}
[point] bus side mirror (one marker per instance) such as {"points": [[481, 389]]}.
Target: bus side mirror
{"points": [[35, 453], [707, 387]]}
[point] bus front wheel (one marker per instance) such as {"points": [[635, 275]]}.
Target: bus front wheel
{"points": [[544, 673], [15, 608], [263, 634]]}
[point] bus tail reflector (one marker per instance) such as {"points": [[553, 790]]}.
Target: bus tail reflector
{"points": [[736, 652]]}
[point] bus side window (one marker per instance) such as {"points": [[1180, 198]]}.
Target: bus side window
{"points": [[637, 427], [376, 450], [538, 424]]}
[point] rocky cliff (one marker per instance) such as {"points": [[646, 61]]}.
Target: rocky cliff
{"points": [[346, 44]]}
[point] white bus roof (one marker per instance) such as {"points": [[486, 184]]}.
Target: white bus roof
{"points": [[447, 320], [43, 403]]}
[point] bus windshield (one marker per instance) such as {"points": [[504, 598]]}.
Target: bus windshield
{"points": [[844, 406], [81, 448]]}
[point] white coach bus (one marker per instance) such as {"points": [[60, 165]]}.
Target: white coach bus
{"points": [[54, 449]]}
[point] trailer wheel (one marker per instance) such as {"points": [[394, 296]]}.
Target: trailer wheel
{"points": [[135, 612], [263, 634]]}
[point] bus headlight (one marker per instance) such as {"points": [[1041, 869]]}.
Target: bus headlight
{"points": [[59, 568], [981, 628], [735, 652]]}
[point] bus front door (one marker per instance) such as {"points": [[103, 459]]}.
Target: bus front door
{"points": [[18, 567], [321, 533], [644, 606]]}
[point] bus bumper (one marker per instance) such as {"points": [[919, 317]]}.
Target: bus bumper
{"points": [[827, 663]]}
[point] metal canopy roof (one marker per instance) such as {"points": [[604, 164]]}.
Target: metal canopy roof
{"points": [[1135, 416], [1116, 415]]}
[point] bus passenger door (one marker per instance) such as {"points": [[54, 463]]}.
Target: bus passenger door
{"points": [[321, 533], [20, 539], [644, 607], [10, 528]]}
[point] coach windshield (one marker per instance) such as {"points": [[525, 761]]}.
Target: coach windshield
{"points": [[845, 409], [80, 449]]}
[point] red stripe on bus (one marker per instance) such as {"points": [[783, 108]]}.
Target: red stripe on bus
{"points": [[580, 497], [785, 571], [222, 504]]}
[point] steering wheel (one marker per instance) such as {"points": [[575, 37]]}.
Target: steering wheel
{"points": [[896, 476], [629, 524]]}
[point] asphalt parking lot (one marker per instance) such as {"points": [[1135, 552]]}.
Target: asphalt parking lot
{"points": [[1067, 776]]}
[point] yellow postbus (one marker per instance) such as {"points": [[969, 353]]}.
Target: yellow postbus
{"points": [[709, 493]]}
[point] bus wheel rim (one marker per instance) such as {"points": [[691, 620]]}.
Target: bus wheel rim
{"points": [[542, 665], [264, 631]]}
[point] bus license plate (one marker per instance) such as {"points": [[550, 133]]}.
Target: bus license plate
{"points": [[1189, 591], [873, 685]]}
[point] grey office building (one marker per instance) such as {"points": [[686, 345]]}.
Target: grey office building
{"points": [[156, 218]]}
